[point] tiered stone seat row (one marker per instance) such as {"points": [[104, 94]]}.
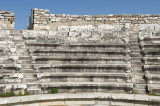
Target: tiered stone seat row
{"points": [[151, 55], [81, 67]]}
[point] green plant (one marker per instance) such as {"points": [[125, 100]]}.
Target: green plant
{"points": [[7, 94], [10, 94], [19, 94], [26, 93], [54, 90], [54, 42]]}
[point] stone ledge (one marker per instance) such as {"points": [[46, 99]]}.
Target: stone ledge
{"points": [[62, 97]]}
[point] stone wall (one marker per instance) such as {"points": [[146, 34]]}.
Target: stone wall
{"points": [[7, 20], [43, 20]]}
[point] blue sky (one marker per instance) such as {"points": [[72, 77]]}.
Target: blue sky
{"points": [[22, 8]]}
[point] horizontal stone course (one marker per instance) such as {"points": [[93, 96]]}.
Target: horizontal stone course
{"points": [[84, 99]]}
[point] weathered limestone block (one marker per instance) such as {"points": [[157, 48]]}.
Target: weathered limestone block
{"points": [[104, 28], [63, 28], [74, 34], [42, 28], [78, 28], [86, 34], [4, 33], [150, 27]]}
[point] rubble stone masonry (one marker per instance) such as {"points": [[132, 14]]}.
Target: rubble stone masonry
{"points": [[7, 20], [41, 19]]}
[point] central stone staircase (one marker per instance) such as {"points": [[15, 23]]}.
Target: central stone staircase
{"points": [[137, 65]]}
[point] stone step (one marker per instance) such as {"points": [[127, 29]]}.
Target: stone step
{"points": [[138, 71], [25, 61], [24, 53], [83, 77], [133, 41], [133, 38], [21, 47], [67, 57], [139, 81], [138, 75], [29, 75], [136, 55], [140, 66], [153, 61], [76, 87], [81, 54], [80, 70], [151, 38], [49, 44], [86, 74], [89, 87], [24, 58], [133, 35], [83, 66], [17, 37], [83, 87], [154, 88], [149, 44], [46, 50], [79, 60], [78, 49], [139, 91], [116, 66], [22, 50], [136, 51], [134, 48], [152, 78], [28, 70], [137, 63], [136, 58], [58, 84], [18, 41], [34, 90], [134, 44], [151, 67], [23, 44], [140, 86], [16, 32], [29, 80]]}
